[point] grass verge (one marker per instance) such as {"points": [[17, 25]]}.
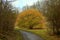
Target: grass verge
{"points": [[18, 35]]}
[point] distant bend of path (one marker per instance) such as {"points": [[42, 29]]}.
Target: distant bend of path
{"points": [[30, 36]]}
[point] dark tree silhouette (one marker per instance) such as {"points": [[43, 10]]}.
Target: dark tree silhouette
{"points": [[7, 18]]}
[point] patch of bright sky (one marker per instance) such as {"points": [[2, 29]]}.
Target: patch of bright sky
{"points": [[21, 3]]}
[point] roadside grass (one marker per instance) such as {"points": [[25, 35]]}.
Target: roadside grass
{"points": [[43, 33], [18, 35]]}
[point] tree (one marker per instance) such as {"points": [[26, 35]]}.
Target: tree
{"points": [[53, 14], [29, 19], [7, 18]]}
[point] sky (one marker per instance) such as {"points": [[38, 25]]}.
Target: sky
{"points": [[21, 3]]}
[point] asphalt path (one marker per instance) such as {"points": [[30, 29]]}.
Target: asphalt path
{"points": [[30, 36]]}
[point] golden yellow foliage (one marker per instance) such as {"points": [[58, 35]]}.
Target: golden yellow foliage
{"points": [[31, 14]]}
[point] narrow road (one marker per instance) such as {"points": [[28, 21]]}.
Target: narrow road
{"points": [[30, 36]]}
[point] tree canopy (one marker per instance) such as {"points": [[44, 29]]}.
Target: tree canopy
{"points": [[31, 18]]}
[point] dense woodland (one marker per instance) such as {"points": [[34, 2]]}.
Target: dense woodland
{"points": [[48, 8], [7, 19]]}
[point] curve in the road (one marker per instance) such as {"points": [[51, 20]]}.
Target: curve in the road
{"points": [[30, 36]]}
